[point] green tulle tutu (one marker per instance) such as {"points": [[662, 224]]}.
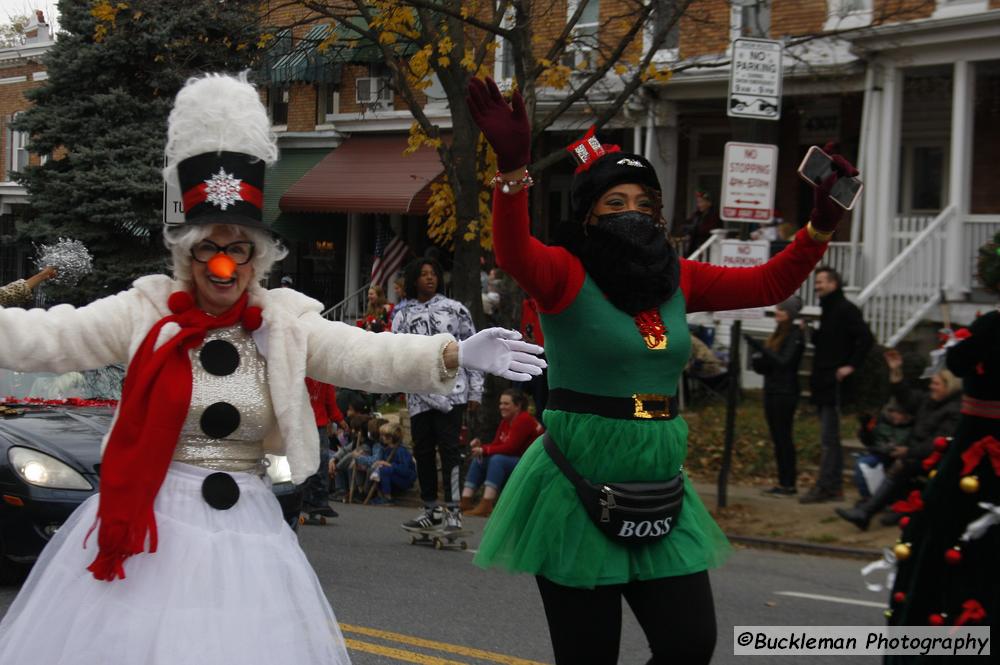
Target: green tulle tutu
{"points": [[540, 527]]}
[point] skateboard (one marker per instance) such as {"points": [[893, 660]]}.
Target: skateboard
{"points": [[316, 517], [441, 539]]}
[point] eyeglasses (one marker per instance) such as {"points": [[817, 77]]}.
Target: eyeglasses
{"points": [[240, 251]]}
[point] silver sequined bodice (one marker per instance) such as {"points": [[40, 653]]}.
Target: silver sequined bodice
{"points": [[246, 389]]}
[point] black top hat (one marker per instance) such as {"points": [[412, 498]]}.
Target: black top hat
{"points": [[223, 188]]}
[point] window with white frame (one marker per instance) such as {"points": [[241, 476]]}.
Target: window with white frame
{"points": [[663, 13], [277, 101], [503, 70], [17, 150], [750, 18], [373, 92], [844, 14], [584, 34], [327, 101]]}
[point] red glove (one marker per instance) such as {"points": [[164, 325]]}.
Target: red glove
{"points": [[825, 213], [504, 125]]}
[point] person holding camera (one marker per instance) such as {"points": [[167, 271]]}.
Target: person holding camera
{"points": [[613, 303]]}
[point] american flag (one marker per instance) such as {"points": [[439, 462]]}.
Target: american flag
{"points": [[389, 254]]}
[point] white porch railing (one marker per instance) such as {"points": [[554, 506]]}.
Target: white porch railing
{"points": [[350, 308], [905, 228], [705, 252], [976, 232], [910, 286]]}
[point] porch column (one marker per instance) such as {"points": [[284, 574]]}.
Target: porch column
{"points": [[352, 263], [882, 178], [661, 149], [956, 272]]}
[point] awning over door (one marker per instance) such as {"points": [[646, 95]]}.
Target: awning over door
{"points": [[367, 174]]}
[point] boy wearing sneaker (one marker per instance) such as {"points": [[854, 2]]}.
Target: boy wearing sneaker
{"points": [[436, 420]]}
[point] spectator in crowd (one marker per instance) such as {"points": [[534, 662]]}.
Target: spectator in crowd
{"points": [[379, 313], [436, 420], [936, 414], [364, 456], [394, 471], [699, 225], [287, 282], [703, 362], [19, 291], [778, 360], [841, 345], [880, 435], [493, 462], [340, 466], [491, 295], [531, 330], [316, 489]]}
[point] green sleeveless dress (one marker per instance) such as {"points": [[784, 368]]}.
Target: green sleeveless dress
{"points": [[539, 525]]}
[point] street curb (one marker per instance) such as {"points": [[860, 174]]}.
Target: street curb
{"points": [[803, 547]]}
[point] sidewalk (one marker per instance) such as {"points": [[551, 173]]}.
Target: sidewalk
{"points": [[757, 519]]}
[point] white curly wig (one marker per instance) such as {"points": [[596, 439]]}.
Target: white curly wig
{"points": [[218, 113]]}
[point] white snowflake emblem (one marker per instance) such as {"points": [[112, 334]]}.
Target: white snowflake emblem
{"points": [[223, 190]]}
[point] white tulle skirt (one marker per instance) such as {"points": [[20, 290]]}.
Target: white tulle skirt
{"points": [[224, 587]]}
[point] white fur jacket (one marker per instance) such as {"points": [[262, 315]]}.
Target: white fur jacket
{"points": [[294, 339]]}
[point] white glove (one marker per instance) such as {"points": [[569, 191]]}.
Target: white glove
{"points": [[499, 351]]}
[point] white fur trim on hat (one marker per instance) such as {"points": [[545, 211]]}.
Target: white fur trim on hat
{"points": [[217, 113]]}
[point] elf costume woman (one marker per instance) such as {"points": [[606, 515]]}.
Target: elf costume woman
{"points": [[190, 560], [613, 303]]}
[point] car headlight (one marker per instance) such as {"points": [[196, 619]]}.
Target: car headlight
{"points": [[43, 470], [279, 470]]}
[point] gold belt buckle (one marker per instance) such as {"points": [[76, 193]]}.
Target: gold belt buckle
{"points": [[640, 406]]}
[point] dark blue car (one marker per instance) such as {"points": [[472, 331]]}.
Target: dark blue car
{"points": [[51, 426]]}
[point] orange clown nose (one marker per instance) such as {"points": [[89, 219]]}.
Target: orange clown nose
{"points": [[221, 266]]}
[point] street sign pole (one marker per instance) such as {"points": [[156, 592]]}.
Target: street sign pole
{"points": [[755, 94]]}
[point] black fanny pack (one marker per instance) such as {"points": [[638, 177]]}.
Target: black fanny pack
{"points": [[630, 513]]}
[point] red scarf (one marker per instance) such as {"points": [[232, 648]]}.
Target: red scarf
{"points": [[155, 400]]}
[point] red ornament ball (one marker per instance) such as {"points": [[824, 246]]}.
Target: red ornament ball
{"points": [[252, 318], [941, 443], [180, 301], [953, 556], [936, 619], [898, 597], [904, 521]]}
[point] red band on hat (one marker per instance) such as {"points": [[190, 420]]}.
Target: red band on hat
{"points": [[199, 194]]}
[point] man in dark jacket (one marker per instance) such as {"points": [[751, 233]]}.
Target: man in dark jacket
{"points": [[841, 344]]}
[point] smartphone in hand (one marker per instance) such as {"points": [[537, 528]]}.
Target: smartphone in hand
{"points": [[815, 168]]}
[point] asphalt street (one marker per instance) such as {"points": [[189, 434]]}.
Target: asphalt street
{"points": [[399, 603]]}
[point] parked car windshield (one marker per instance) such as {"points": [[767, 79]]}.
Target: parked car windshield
{"points": [[104, 383]]}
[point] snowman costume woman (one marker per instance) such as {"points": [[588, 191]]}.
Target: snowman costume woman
{"points": [[183, 556]]}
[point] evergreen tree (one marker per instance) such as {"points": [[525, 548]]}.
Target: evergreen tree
{"points": [[101, 115]]}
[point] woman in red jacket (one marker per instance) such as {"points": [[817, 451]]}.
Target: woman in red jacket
{"points": [[494, 461]]}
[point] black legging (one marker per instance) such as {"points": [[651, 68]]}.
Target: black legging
{"points": [[779, 410], [677, 615]]}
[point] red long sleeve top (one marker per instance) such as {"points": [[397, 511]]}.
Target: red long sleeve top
{"points": [[553, 276], [323, 399], [514, 436]]}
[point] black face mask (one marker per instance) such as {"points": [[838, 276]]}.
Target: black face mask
{"points": [[629, 258]]}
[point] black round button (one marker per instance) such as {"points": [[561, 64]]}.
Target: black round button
{"points": [[220, 490], [220, 420], [219, 357]]}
